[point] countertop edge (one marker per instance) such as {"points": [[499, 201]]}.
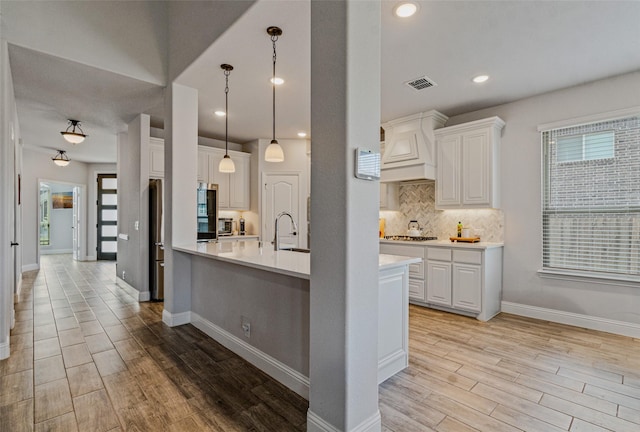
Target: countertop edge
{"points": [[445, 243]]}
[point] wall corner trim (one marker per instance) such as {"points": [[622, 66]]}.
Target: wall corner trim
{"points": [[579, 320], [289, 377], [131, 291], [316, 424], [4, 350], [174, 320], [30, 267]]}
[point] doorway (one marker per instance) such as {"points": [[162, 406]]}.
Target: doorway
{"points": [[60, 222], [107, 225]]}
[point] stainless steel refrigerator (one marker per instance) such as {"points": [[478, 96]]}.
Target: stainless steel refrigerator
{"points": [[156, 240]]}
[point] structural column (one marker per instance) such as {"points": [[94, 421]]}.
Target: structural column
{"points": [[180, 171], [345, 115]]}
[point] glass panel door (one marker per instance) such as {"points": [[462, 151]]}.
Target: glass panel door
{"points": [[107, 217], [45, 207]]}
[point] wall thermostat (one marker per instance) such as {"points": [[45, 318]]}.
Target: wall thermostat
{"points": [[367, 164]]}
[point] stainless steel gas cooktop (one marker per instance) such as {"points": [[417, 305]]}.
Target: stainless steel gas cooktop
{"points": [[409, 238]]}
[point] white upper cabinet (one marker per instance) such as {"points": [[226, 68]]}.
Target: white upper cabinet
{"points": [[156, 158], [468, 165], [233, 189]]}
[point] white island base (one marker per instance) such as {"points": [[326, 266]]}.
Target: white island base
{"points": [[241, 282]]}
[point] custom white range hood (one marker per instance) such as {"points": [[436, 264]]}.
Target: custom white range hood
{"points": [[410, 147]]}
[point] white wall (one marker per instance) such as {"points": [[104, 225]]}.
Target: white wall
{"points": [[38, 165], [521, 199], [60, 223], [95, 33]]}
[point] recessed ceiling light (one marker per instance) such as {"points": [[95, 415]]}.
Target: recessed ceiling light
{"points": [[220, 113], [277, 81], [302, 134], [405, 9], [480, 79]]}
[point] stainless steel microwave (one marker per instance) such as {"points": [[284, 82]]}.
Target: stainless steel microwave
{"points": [[225, 226]]}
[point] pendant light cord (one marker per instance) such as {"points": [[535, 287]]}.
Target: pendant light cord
{"points": [[226, 110], [274, 38]]}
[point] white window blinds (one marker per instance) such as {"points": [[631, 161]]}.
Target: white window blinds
{"points": [[591, 198]]}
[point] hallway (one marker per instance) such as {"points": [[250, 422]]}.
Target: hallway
{"points": [[85, 356]]}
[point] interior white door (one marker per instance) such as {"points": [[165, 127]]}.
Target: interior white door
{"points": [[281, 193], [76, 223]]}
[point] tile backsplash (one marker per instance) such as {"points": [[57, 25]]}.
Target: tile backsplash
{"points": [[417, 202]]}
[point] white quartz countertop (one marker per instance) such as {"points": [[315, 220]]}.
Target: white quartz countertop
{"points": [[445, 243], [259, 255]]}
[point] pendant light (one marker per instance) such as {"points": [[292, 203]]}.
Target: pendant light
{"points": [[72, 136], [226, 164], [61, 158], [274, 152]]}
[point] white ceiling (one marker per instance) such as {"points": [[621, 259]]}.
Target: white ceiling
{"points": [[527, 47]]}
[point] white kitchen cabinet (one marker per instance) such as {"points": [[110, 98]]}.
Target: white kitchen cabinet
{"points": [[389, 196], [156, 158], [233, 188], [467, 281], [468, 165], [416, 270]]}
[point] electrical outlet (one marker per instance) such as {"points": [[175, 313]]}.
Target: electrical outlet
{"points": [[246, 326], [123, 274]]}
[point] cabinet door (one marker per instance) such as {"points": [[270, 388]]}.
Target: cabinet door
{"points": [[156, 160], [467, 287], [439, 283], [239, 185], [476, 168], [448, 171], [221, 179], [203, 166], [416, 290]]}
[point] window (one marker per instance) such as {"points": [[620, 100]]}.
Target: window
{"points": [[591, 198], [587, 146]]}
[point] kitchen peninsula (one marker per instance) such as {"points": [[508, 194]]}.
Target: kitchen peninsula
{"points": [[255, 301]]}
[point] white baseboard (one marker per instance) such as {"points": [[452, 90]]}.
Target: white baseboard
{"points": [[91, 258], [173, 320], [4, 350], [138, 295], [570, 318], [272, 367], [316, 424], [55, 251], [30, 267]]}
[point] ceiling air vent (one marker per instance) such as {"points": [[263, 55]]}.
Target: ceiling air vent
{"points": [[421, 83]]}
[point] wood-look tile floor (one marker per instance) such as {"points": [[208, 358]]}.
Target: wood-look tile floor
{"points": [[87, 357]]}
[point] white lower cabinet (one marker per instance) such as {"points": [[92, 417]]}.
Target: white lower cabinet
{"points": [[468, 281], [416, 270]]}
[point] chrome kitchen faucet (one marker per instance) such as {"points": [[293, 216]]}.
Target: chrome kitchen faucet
{"points": [[276, 241]]}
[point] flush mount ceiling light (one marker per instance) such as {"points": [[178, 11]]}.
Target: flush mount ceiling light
{"points": [[274, 152], [61, 158], [277, 81], [480, 79], [226, 164], [220, 113], [302, 134], [72, 136], [405, 9]]}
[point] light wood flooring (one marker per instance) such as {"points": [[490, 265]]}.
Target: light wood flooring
{"points": [[87, 357]]}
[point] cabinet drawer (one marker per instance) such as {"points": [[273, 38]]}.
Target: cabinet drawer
{"points": [[416, 270], [402, 250], [467, 256], [416, 290], [440, 254]]}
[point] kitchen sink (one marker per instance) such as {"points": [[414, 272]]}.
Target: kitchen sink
{"points": [[297, 250]]}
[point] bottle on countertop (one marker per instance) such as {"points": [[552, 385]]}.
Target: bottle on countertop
{"points": [[381, 226], [459, 229]]}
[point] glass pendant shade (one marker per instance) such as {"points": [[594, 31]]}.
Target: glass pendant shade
{"points": [[71, 135], [227, 165], [274, 152], [61, 159]]}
